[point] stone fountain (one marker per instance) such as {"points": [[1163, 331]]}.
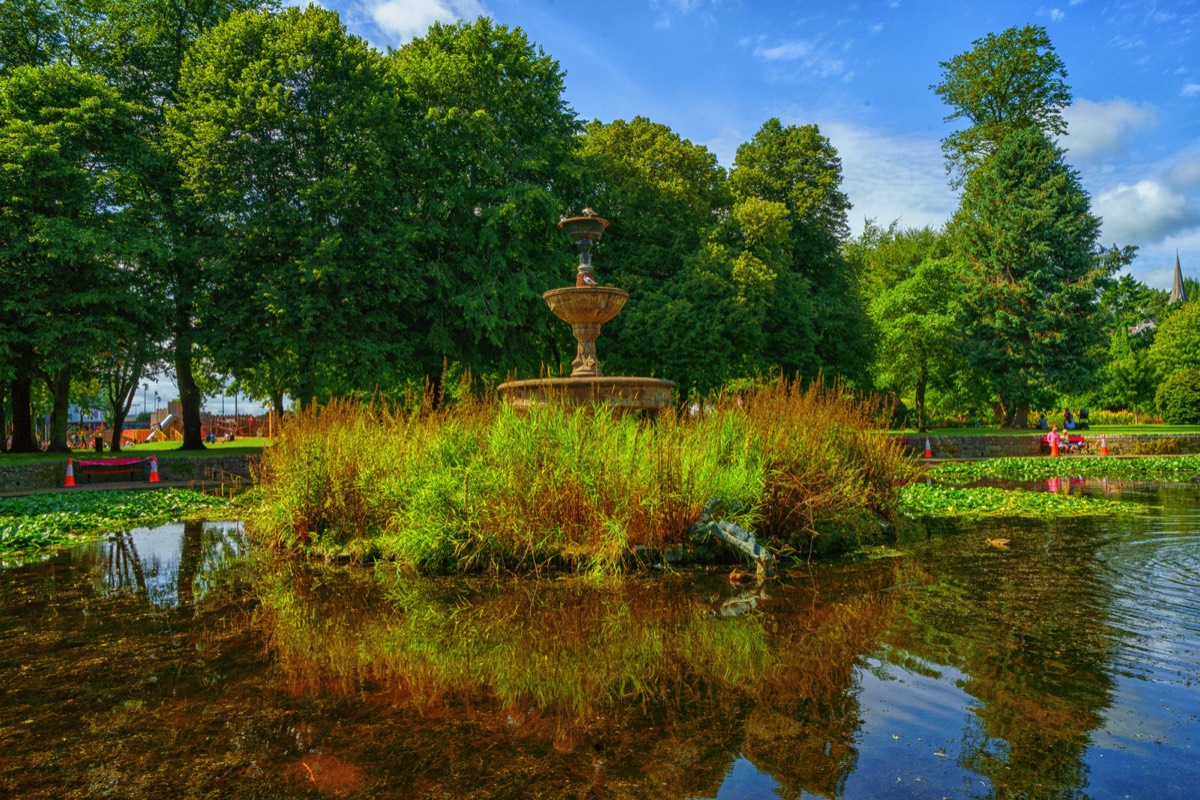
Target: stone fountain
{"points": [[585, 307]]}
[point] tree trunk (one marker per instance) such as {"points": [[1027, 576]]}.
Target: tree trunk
{"points": [[276, 411], [59, 384], [1021, 415], [22, 392], [191, 555], [120, 411], [189, 394], [919, 397]]}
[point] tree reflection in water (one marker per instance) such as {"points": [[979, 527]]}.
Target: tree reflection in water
{"points": [[647, 673]]}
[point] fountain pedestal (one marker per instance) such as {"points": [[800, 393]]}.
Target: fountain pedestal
{"points": [[586, 306]]}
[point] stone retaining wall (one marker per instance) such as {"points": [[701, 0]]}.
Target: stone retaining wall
{"points": [[998, 446], [212, 469]]}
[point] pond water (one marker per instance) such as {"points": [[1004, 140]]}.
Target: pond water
{"points": [[173, 662]]}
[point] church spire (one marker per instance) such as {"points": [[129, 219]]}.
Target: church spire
{"points": [[1178, 295]]}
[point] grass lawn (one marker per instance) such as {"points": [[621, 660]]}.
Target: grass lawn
{"points": [[234, 448]]}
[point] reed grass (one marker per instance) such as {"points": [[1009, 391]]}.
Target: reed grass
{"points": [[481, 486]]}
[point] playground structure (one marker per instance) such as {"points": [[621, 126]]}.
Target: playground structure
{"points": [[165, 425]]}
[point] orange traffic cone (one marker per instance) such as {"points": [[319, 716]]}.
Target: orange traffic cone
{"points": [[928, 448], [1103, 445], [1053, 445], [70, 481], [153, 469]]}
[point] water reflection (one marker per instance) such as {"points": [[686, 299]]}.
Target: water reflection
{"points": [[166, 565], [1061, 666]]}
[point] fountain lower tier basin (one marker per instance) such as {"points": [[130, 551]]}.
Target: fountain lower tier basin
{"points": [[631, 394]]}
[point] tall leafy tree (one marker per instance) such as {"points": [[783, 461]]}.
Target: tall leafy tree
{"points": [[496, 143], [798, 167], [1176, 342], [1125, 380], [1004, 83], [1026, 231], [31, 33], [920, 321], [293, 146], [883, 257], [140, 47], [67, 147]]}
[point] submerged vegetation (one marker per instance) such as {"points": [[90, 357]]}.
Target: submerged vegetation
{"points": [[1165, 468], [483, 486], [51, 520]]}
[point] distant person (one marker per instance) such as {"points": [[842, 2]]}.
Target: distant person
{"points": [[1042, 423], [1068, 419]]}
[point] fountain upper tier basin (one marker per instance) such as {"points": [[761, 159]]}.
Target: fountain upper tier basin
{"points": [[583, 305]]}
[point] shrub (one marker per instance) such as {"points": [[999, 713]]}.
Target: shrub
{"points": [[1178, 398]]}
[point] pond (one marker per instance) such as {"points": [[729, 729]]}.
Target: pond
{"points": [[991, 660]]}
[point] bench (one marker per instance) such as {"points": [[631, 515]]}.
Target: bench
{"points": [[111, 466], [1067, 444]]}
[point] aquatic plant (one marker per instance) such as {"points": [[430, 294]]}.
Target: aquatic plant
{"points": [[1171, 469], [483, 486], [922, 500], [42, 521]]}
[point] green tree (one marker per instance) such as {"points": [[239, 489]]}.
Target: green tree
{"points": [[67, 147], [140, 47], [1125, 381], [1026, 231], [292, 145], [1178, 397], [1176, 342], [1005, 83], [496, 147], [920, 322], [800, 168], [883, 257], [30, 33]]}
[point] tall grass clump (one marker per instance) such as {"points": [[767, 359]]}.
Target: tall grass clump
{"points": [[481, 486]]}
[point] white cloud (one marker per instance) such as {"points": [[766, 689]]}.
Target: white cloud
{"points": [[1184, 175], [405, 19], [1096, 130], [814, 61], [667, 8], [1190, 89], [786, 51], [725, 144], [889, 177], [1145, 213]]}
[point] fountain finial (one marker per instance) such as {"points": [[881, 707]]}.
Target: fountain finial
{"points": [[584, 230]]}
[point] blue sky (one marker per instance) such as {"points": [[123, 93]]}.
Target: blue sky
{"points": [[715, 70]]}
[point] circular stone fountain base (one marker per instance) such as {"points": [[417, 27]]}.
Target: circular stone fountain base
{"points": [[629, 394]]}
